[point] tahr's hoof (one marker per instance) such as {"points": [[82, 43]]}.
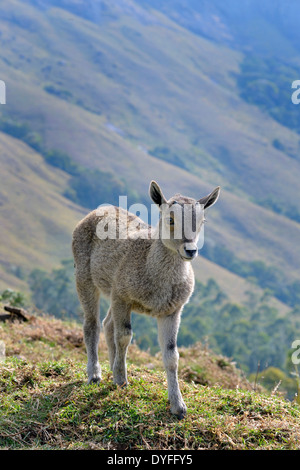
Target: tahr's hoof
{"points": [[94, 380], [181, 415], [121, 383], [180, 412]]}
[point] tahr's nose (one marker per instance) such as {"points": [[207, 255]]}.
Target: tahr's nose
{"points": [[190, 253]]}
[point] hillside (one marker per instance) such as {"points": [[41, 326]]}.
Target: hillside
{"points": [[79, 77], [35, 217], [268, 28], [47, 405], [103, 97]]}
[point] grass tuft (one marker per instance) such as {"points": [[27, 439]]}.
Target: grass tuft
{"points": [[47, 404]]}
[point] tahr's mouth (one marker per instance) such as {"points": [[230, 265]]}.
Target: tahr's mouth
{"points": [[187, 258]]}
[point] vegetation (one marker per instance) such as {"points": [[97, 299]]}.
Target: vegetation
{"points": [[87, 187], [250, 334], [288, 210], [257, 271], [46, 403], [61, 93], [180, 101], [61, 160], [55, 292], [266, 82], [90, 188], [168, 92], [22, 131], [13, 298], [166, 154]]}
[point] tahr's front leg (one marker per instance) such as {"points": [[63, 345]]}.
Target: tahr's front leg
{"points": [[167, 336]]}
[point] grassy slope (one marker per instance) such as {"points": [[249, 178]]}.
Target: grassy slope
{"points": [[45, 219], [110, 69], [42, 241], [35, 217], [46, 404]]}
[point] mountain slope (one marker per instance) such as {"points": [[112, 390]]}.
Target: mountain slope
{"points": [[128, 90], [268, 28], [35, 217], [188, 78]]}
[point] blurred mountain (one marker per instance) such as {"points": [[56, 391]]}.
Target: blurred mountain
{"points": [[270, 27], [148, 90]]}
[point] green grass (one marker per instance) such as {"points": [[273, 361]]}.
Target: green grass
{"points": [[164, 88], [50, 406], [47, 404]]}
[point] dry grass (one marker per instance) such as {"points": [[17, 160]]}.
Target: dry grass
{"points": [[45, 337], [46, 403]]}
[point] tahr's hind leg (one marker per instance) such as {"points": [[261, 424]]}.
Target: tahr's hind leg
{"points": [[108, 327], [89, 297]]}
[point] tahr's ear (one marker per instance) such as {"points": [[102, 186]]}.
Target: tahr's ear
{"points": [[156, 194], [211, 198]]}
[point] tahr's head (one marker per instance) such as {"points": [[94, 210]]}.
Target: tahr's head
{"points": [[181, 220]]}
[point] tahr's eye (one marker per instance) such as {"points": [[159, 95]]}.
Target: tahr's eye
{"points": [[170, 221]]}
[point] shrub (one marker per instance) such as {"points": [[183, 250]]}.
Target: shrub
{"points": [[15, 299]]}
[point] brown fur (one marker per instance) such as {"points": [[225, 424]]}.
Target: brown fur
{"points": [[150, 275]]}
